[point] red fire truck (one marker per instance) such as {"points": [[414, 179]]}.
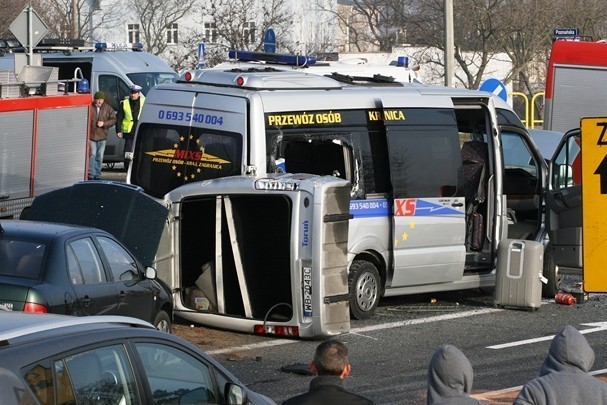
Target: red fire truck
{"points": [[575, 83], [43, 137]]}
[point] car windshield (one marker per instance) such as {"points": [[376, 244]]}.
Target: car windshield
{"points": [[21, 258], [148, 80]]}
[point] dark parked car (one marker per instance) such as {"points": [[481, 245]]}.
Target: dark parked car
{"points": [[56, 359], [77, 270]]}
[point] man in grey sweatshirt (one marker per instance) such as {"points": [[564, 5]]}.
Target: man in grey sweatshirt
{"points": [[564, 377]]}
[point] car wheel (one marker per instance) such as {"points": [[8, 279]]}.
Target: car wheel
{"points": [[363, 285], [163, 322], [551, 272]]}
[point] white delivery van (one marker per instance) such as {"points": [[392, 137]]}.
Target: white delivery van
{"points": [[438, 175], [108, 67]]}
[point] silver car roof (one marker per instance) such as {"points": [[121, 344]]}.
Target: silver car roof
{"points": [[14, 324]]}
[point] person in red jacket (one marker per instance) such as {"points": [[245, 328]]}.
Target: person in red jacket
{"points": [[102, 118]]}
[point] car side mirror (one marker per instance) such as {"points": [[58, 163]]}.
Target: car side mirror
{"points": [[150, 273], [235, 394]]}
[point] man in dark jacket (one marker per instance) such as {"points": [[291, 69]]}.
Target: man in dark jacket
{"points": [[129, 111], [331, 366], [564, 377], [450, 377], [102, 118]]}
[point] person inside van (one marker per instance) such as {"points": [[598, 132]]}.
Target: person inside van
{"points": [[129, 111]]}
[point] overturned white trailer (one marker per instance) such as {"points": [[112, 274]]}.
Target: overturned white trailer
{"points": [[264, 255]]}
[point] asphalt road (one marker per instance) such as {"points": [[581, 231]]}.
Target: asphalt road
{"points": [[390, 353]]}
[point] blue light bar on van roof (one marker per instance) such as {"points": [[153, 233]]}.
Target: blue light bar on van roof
{"points": [[118, 46], [277, 58]]}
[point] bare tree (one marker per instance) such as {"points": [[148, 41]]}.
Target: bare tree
{"points": [[90, 16], [372, 25], [240, 24], [156, 17], [10, 11]]}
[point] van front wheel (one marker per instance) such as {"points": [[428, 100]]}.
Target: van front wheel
{"points": [[364, 285]]}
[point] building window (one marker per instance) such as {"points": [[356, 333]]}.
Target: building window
{"points": [[133, 30], [248, 33], [172, 34], [210, 32]]}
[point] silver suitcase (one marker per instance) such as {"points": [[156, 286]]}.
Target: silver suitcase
{"points": [[518, 279]]}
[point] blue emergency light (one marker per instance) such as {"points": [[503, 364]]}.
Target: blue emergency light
{"points": [[114, 46], [277, 58]]}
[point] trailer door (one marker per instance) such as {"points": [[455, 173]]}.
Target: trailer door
{"points": [[428, 230]]}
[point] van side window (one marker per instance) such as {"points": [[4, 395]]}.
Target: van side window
{"points": [[345, 155], [114, 88], [425, 161]]}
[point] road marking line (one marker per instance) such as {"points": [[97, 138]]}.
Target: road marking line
{"points": [[356, 331], [420, 321], [600, 326]]}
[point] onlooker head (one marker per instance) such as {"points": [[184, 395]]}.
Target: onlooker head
{"points": [[331, 358], [135, 91], [450, 377], [569, 351], [99, 98], [330, 365], [564, 377]]}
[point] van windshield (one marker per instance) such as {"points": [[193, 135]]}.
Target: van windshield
{"points": [[148, 80], [168, 156]]}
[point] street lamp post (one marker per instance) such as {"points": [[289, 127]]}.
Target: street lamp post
{"points": [[449, 43]]}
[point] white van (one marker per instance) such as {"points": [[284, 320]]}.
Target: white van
{"points": [[438, 175], [108, 67]]}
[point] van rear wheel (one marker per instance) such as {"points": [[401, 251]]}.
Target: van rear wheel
{"points": [[364, 285]]}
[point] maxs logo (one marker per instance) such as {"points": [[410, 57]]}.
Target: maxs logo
{"points": [[180, 158]]}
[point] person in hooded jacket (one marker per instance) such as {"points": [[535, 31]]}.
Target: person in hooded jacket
{"points": [[450, 377], [564, 377]]}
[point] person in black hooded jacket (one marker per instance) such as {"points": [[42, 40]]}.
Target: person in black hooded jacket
{"points": [[450, 377], [331, 366], [564, 377]]}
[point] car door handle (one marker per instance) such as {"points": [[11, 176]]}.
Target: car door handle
{"points": [[457, 204], [121, 296], [561, 198], [85, 301]]}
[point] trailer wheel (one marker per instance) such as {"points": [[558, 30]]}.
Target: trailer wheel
{"points": [[364, 287], [163, 322], [551, 272]]}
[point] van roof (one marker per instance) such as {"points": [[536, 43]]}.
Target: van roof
{"points": [[272, 79], [125, 61]]}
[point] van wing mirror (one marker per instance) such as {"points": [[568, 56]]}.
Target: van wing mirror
{"points": [[150, 273], [563, 176]]}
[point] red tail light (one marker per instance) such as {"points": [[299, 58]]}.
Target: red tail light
{"points": [[32, 307], [278, 330]]}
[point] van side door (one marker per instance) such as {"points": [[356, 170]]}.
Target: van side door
{"points": [[428, 232], [564, 202]]}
